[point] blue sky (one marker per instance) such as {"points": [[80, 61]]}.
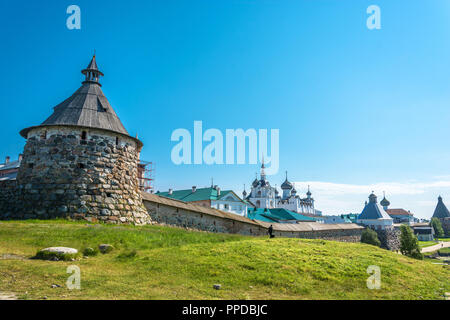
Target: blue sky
{"points": [[357, 109]]}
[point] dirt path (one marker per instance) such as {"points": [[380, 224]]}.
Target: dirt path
{"points": [[7, 296], [438, 246]]}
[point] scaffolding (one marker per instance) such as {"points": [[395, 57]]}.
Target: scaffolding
{"points": [[146, 176]]}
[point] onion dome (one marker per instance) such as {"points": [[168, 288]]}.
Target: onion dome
{"points": [[286, 185], [293, 191], [255, 183], [385, 202], [373, 210], [309, 193]]}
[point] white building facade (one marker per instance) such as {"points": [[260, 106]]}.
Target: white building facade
{"points": [[263, 195]]}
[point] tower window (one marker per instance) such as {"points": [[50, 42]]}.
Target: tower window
{"points": [[44, 135], [31, 165], [117, 141], [80, 166], [83, 135]]}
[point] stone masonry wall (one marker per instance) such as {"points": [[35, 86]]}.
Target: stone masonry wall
{"points": [[8, 197], [389, 238], [169, 215], [62, 175]]}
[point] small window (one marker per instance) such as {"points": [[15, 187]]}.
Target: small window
{"points": [[81, 166], [31, 165], [83, 135], [44, 135], [117, 141]]}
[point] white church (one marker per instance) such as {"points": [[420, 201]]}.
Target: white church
{"points": [[263, 195]]}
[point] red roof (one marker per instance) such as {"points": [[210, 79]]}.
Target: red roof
{"points": [[398, 212]]}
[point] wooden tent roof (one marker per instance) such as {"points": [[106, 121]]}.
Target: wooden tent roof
{"points": [[87, 107]]}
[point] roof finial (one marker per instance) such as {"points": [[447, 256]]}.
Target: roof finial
{"points": [[263, 173], [92, 73]]}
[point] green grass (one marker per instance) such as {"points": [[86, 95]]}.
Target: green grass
{"points": [[424, 244], [155, 262]]}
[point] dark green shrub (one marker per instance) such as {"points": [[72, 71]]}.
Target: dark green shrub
{"points": [[409, 245], [437, 226], [369, 236]]}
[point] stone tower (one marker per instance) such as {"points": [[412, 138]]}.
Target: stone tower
{"points": [[81, 163]]}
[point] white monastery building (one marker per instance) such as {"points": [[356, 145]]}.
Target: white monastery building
{"points": [[263, 195]]}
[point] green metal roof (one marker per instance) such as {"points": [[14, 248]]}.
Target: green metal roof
{"points": [[199, 194], [276, 214], [256, 215]]}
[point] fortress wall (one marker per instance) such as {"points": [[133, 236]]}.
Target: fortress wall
{"points": [[177, 213], [8, 198], [63, 175], [170, 212]]}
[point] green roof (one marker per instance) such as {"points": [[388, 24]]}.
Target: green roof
{"points": [[199, 194], [276, 214], [256, 215]]}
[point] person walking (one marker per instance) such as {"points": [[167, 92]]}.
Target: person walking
{"points": [[271, 232]]}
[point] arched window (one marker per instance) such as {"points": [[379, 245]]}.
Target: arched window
{"points": [[259, 193]]}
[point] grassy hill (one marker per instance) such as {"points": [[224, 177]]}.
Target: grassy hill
{"points": [[155, 262]]}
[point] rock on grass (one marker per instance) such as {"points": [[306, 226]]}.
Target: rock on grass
{"points": [[57, 254], [105, 248]]}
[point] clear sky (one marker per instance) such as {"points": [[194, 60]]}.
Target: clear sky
{"points": [[357, 109]]}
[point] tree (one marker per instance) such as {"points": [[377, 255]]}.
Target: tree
{"points": [[437, 226], [409, 245], [370, 237]]}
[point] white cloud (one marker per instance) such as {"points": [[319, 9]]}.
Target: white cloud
{"points": [[391, 188], [338, 198]]}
